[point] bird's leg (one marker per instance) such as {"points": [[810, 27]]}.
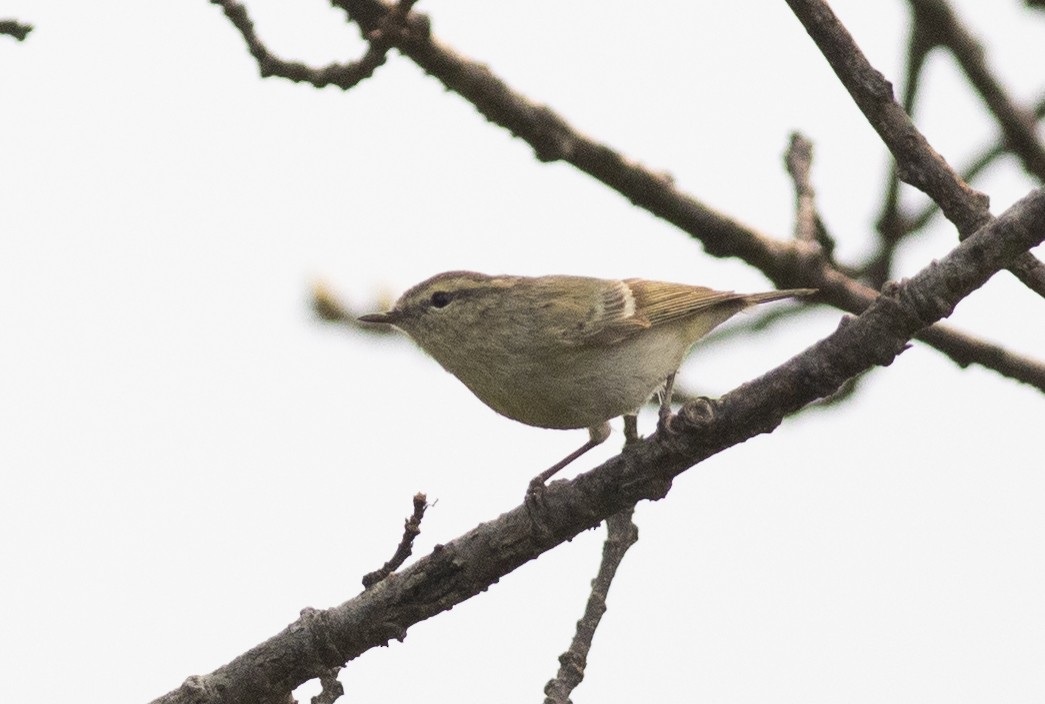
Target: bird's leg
{"points": [[597, 436], [665, 402], [631, 428]]}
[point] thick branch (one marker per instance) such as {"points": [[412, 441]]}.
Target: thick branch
{"points": [[473, 562]]}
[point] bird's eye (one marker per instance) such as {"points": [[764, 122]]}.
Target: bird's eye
{"points": [[441, 299]]}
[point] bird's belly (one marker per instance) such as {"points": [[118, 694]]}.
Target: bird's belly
{"points": [[584, 387]]}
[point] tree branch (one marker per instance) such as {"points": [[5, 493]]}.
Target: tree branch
{"points": [[470, 564], [554, 139], [891, 226], [343, 76], [411, 529], [799, 163], [917, 162], [987, 156], [786, 264], [936, 20], [621, 534]]}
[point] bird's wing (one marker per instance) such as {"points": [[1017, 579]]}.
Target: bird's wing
{"points": [[616, 310], [661, 302]]}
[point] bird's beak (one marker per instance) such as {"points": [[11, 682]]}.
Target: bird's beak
{"points": [[388, 318]]}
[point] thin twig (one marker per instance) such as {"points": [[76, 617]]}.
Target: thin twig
{"points": [[799, 163], [343, 76], [892, 226], [986, 157], [621, 534], [411, 529], [808, 225]]}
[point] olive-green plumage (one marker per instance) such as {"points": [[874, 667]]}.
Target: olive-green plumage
{"points": [[562, 351]]}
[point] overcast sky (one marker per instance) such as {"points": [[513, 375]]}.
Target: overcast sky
{"points": [[188, 458]]}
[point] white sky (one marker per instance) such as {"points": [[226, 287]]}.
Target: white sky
{"points": [[187, 458]]}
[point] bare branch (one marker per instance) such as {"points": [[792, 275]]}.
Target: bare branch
{"points": [[799, 162], [411, 529], [787, 264], [966, 350], [621, 534], [343, 76], [552, 139], [917, 162], [808, 226], [473, 562], [936, 19], [892, 226], [977, 165]]}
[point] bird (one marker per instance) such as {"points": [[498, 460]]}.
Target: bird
{"points": [[562, 351]]}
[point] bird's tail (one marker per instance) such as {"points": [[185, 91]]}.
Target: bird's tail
{"points": [[756, 298]]}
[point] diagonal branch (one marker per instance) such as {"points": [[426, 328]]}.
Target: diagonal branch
{"points": [[917, 162], [986, 157], [473, 562], [891, 226], [934, 24], [554, 139], [937, 21], [621, 534], [787, 264]]}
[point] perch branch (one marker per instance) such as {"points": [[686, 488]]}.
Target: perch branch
{"points": [[470, 564]]}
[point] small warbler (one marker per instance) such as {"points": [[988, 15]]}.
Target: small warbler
{"points": [[563, 351]]}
